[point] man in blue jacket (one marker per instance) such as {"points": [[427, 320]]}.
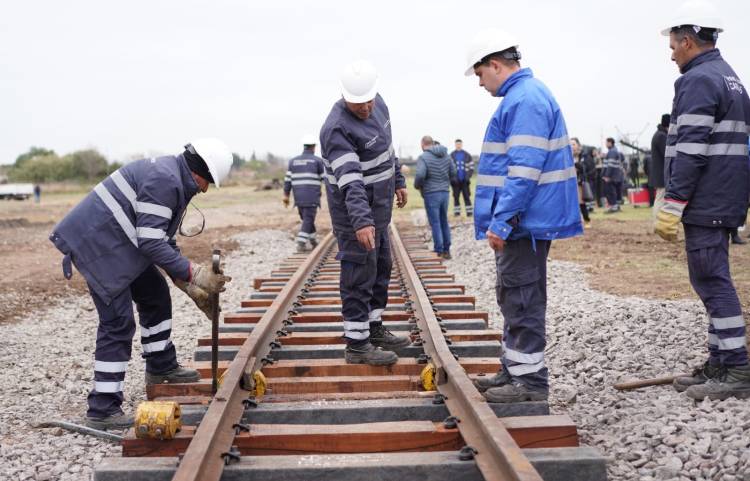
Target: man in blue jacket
{"points": [[362, 176], [613, 177], [464, 165], [707, 187], [118, 237], [304, 176], [526, 196], [435, 173]]}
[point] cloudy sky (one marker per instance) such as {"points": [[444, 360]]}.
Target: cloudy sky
{"points": [[146, 76]]}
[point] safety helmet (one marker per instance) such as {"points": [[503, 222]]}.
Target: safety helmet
{"points": [[485, 42], [699, 13], [216, 155], [309, 139], [359, 82]]}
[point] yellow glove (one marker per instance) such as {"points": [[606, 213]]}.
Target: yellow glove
{"points": [[201, 298], [285, 201], [204, 278], [666, 224]]}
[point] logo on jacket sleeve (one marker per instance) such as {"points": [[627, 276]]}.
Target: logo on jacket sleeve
{"points": [[733, 83]]}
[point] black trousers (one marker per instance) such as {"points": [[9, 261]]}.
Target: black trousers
{"points": [[459, 189]]}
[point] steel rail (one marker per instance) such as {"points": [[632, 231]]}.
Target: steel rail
{"points": [[497, 455], [204, 458]]}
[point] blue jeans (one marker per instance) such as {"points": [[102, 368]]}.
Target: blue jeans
{"points": [[436, 205]]}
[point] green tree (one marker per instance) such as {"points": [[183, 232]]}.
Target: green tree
{"points": [[32, 152], [237, 160], [87, 165]]}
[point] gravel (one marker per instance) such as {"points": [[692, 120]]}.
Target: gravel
{"points": [[46, 368], [595, 340]]}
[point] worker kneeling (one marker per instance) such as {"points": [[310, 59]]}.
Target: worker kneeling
{"points": [[117, 237]]}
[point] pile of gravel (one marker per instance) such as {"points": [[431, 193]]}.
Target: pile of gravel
{"points": [[46, 368], [595, 340]]}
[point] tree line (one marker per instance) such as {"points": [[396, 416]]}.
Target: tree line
{"points": [[44, 165]]}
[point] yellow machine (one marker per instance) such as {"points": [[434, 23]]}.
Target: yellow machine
{"points": [[157, 420]]}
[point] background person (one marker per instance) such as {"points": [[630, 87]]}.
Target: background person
{"points": [[303, 177], [435, 173], [464, 165]]}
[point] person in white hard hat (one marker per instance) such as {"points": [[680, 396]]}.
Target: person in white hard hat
{"points": [[362, 176], [526, 197], [303, 177], [118, 237], [707, 179]]}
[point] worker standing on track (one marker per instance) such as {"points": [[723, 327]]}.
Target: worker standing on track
{"points": [[707, 187], [526, 196], [613, 177], [303, 177], [117, 237], [362, 176]]}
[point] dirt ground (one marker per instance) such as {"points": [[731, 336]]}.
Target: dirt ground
{"points": [[619, 252], [31, 265]]}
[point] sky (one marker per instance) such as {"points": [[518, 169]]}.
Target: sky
{"points": [[145, 77]]}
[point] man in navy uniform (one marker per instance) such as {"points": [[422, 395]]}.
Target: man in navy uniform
{"points": [[464, 164], [707, 186], [303, 177], [118, 237], [613, 176], [362, 176]]}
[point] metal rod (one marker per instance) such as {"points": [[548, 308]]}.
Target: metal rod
{"points": [[216, 260], [77, 428]]}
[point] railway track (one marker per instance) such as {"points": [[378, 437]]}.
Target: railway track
{"points": [[289, 407]]}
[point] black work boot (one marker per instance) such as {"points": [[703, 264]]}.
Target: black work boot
{"points": [[730, 382], [369, 354], [700, 375], [313, 242], [177, 375], [382, 337], [113, 421], [500, 379], [446, 255], [302, 247], [515, 392]]}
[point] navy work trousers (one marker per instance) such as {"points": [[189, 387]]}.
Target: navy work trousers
{"points": [[613, 191], [365, 276], [708, 264], [114, 338], [521, 291], [462, 188], [436, 205], [307, 215]]}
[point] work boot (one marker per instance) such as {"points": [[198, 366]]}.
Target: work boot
{"points": [[113, 421], [177, 375], [500, 379], [514, 392], [313, 242], [301, 247], [700, 375], [369, 354], [382, 337], [730, 382], [446, 255]]}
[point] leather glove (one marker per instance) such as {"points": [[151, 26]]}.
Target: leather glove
{"points": [[202, 299], [207, 280], [666, 225], [285, 201]]}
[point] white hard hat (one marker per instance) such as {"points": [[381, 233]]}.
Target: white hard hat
{"points": [[216, 155], [485, 42], [359, 82], [309, 139], [700, 13]]}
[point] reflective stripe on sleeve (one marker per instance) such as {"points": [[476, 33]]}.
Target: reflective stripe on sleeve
{"points": [[151, 233], [384, 157], [490, 180], [674, 207], [695, 120], [305, 182], [494, 148], [537, 142], [153, 209], [349, 178], [371, 179], [557, 175], [346, 158], [524, 172]]}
